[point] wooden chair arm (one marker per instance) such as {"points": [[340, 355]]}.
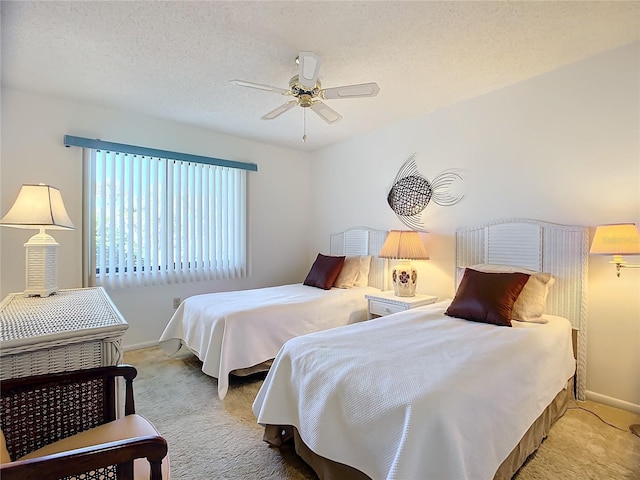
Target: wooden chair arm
{"points": [[122, 370], [107, 372], [78, 461]]}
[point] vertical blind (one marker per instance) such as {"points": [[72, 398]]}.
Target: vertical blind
{"points": [[158, 220]]}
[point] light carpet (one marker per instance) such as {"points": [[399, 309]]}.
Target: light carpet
{"points": [[219, 439]]}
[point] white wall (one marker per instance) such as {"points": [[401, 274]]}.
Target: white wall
{"points": [[562, 147], [33, 127]]}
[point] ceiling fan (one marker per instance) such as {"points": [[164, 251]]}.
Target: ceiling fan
{"points": [[308, 92]]}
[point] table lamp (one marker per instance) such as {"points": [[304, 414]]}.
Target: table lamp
{"points": [[404, 245], [39, 207]]}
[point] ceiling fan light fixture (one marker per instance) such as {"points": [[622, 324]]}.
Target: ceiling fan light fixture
{"points": [[297, 89], [307, 90], [305, 100]]}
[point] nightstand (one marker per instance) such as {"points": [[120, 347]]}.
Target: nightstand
{"points": [[72, 329], [386, 303]]}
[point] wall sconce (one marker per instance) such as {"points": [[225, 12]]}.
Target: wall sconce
{"points": [[404, 246], [617, 240], [39, 207]]}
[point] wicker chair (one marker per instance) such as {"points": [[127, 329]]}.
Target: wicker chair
{"points": [[64, 425]]}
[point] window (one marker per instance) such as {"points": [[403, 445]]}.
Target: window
{"points": [[155, 220]]}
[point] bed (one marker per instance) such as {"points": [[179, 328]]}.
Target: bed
{"points": [[240, 332], [464, 399]]}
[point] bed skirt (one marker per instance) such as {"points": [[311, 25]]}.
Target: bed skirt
{"points": [[326, 469], [259, 368]]}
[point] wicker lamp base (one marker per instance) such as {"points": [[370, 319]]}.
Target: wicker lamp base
{"points": [[41, 265]]}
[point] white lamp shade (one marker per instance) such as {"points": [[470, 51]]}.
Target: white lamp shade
{"points": [[619, 239], [38, 206], [404, 245]]}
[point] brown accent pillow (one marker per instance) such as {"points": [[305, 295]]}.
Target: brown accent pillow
{"points": [[324, 271], [487, 297]]}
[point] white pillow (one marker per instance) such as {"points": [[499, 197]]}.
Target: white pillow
{"points": [[362, 280], [347, 276], [532, 301]]}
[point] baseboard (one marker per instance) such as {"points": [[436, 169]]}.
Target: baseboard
{"points": [[138, 346], [614, 402]]}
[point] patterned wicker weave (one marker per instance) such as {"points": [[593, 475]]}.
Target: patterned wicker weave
{"points": [[34, 418], [73, 329], [56, 359], [98, 474], [67, 310], [39, 410], [55, 411]]}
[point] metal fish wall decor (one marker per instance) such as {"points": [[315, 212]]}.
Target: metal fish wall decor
{"points": [[412, 191]]}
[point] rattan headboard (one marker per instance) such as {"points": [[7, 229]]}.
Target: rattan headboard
{"points": [[561, 250], [363, 241]]}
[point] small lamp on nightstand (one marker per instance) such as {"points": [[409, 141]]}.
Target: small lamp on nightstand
{"points": [[39, 207], [404, 245]]}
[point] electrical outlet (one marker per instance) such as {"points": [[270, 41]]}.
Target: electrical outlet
{"points": [[176, 303]]}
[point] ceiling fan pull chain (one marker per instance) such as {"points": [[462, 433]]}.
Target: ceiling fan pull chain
{"points": [[304, 125]]}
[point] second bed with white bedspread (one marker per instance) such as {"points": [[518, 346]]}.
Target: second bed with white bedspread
{"points": [[432, 375], [240, 329]]}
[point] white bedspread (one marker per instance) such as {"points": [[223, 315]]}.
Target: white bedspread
{"points": [[240, 329], [418, 395]]}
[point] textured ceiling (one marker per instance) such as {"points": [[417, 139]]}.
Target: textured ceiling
{"points": [[174, 59]]}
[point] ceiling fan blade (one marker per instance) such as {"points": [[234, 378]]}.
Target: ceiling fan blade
{"points": [[309, 67], [280, 110], [325, 112], [352, 91], [259, 86]]}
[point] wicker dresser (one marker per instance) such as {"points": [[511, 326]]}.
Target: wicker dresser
{"points": [[76, 328]]}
